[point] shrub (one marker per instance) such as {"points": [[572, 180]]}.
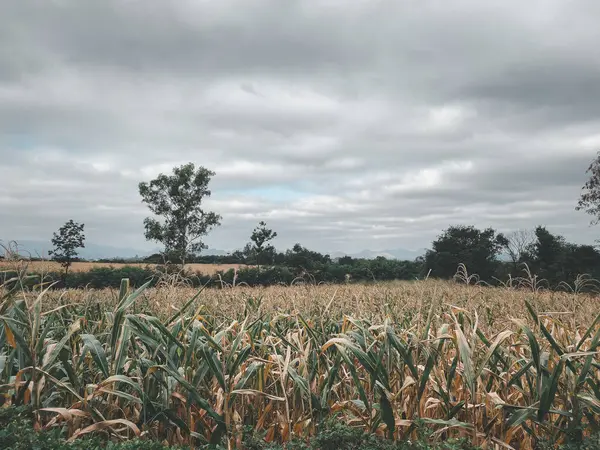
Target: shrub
{"points": [[16, 433]]}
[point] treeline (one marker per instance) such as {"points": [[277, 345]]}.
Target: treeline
{"points": [[485, 255], [538, 254], [310, 272]]}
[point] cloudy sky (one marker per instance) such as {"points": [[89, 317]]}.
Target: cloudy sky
{"points": [[344, 124]]}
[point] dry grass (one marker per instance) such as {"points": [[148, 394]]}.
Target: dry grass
{"points": [[374, 302], [51, 266], [500, 366]]}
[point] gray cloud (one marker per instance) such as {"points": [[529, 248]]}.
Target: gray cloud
{"points": [[344, 125]]}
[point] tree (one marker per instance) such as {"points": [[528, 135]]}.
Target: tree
{"points": [[548, 255], [555, 260], [66, 241], [177, 200], [261, 236], [589, 201], [474, 248], [517, 245], [304, 259]]}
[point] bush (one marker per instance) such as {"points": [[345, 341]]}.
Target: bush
{"points": [[16, 433]]}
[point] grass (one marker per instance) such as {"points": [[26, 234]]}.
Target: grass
{"points": [[496, 366]]}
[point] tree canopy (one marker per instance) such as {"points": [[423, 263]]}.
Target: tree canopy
{"points": [[589, 201], [66, 241], [476, 249], [177, 200], [261, 236]]}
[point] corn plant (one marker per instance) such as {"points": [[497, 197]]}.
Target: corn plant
{"points": [[205, 368]]}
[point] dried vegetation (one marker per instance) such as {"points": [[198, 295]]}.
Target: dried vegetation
{"points": [[504, 367]]}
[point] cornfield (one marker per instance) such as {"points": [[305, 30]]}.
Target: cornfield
{"points": [[503, 367]]}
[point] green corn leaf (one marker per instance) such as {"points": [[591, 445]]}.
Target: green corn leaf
{"points": [[452, 372], [590, 402], [21, 345], [75, 327], [248, 373], [299, 382], [210, 357], [210, 339], [120, 394], [95, 348], [163, 330], [549, 392], [534, 347], [587, 333], [124, 289], [456, 409], [67, 365], [491, 351], [587, 365], [122, 379], [191, 348], [357, 384], [119, 314], [42, 338], [404, 352], [121, 349], [387, 412], [239, 360], [195, 395], [465, 355], [549, 336], [425, 376], [519, 417]]}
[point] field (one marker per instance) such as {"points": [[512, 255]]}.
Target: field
{"points": [[51, 266], [499, 366]]}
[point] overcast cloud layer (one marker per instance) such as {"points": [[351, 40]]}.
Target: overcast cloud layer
{"points": [[344, 124]]}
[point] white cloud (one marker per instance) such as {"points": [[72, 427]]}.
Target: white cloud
{"points": [[345, 126]]}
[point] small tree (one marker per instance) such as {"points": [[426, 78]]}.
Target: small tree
{"points": [[66, 241], [261, 236], [517, 244], [177, 199]]}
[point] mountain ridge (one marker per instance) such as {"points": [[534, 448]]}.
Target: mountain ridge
{"points": [[92, 251]]}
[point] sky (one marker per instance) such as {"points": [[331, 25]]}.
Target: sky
{"points": [[345, 125]]}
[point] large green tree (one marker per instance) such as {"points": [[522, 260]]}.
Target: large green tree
{"points": [[476, 249], [66, 241], [177, 201]]}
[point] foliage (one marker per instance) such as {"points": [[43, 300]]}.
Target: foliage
{"points": [[177, 199], [261, 236], [589, 200], [360, 270], [17, 433], [69, 238], [467, 245], [301, 258], [556, 261]]}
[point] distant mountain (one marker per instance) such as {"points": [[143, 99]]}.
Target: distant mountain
{"points": [[98, 251], [398, 253], [39, 249]]}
